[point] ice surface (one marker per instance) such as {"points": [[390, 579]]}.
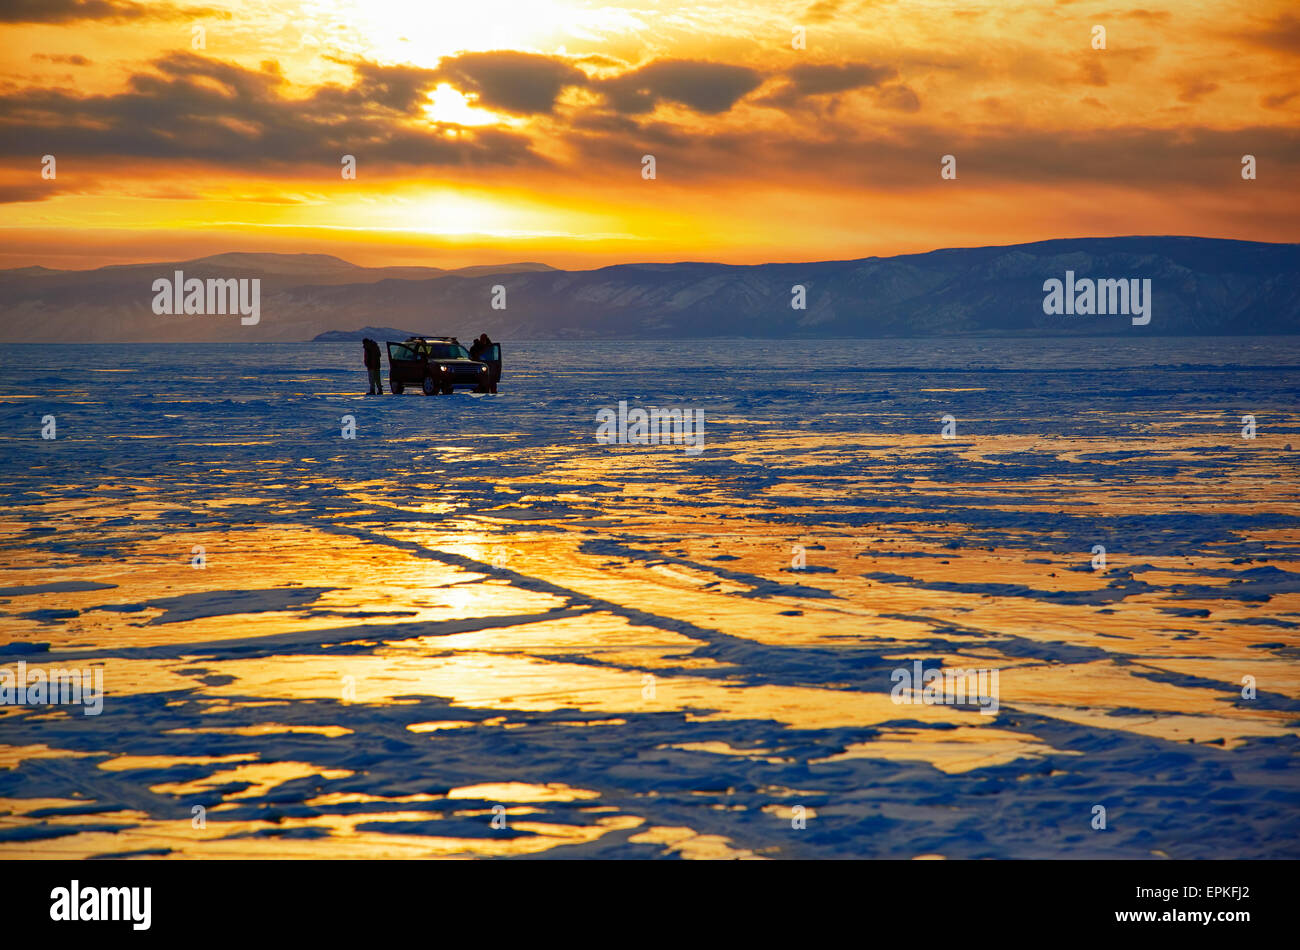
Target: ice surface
{"points": [[474, 604]]}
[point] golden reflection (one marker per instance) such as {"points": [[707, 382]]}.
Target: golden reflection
{"points": [[644, 627]]}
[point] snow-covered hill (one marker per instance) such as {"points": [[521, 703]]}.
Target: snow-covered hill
{"points": [[1199, 286]]}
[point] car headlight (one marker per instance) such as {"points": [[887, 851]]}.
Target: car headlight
{"points": [[441, 367], [482, 369]]}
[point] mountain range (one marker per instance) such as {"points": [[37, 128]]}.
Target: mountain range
{"points": [[1199, 286]]}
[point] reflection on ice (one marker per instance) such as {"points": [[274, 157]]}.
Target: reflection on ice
{"points": [[478, 632]]}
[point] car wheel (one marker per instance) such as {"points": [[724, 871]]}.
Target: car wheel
{"points": [[430, 388], [395, 386]]}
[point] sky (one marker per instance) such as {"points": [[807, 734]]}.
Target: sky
{"points": [[486, 131]]}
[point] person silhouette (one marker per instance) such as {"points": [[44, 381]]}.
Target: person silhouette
{"points": [[371, 350], [482, 350]]}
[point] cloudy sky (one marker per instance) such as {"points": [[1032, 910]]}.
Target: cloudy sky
{"points": [[496, 130]]}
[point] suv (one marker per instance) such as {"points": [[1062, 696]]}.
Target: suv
{"points": [[437, 364]]}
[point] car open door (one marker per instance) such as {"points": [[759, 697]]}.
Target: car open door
{"points": [[405, 366], [402, 357]]}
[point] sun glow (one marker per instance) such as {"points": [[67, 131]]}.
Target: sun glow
{"points": [[450, 105], [461, 212]]}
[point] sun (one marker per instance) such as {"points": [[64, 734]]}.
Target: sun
{"points": [[448, 104], [459, 212]]}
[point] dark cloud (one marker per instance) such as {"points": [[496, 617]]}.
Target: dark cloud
{"points": [[1195, 89], [1280, 34], [606, 122], [399, 89], [530, 84], [190, 108], [35, 191], [1092, 72], [65, 60], [710, 88], [69, 11], [508, 81], [194, 108], [855, 156], [812, 80], [899, 97], [817, 79]]}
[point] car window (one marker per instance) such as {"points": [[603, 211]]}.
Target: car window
{"points": [[448, 351], [396, 351]]}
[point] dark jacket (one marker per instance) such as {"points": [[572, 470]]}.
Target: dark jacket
{"points": [[372, 354]]}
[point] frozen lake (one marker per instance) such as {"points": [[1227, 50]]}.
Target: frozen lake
{"points": [[474, 630]]}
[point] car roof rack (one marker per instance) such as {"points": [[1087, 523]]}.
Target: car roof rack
{"points": [[426, 338]]}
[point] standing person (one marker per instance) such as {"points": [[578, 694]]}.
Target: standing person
{"points": [[371, 349], [484, 350]]}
